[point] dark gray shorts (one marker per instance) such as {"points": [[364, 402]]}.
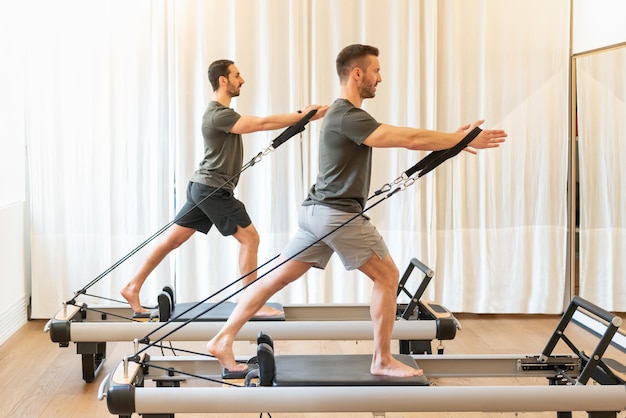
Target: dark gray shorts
{"points": [[354, 242], [221, 210]]}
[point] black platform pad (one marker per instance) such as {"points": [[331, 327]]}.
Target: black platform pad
{"points": [[148, 316], [338, 370], [217, 313]]}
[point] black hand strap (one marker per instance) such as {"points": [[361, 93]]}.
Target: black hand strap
{"points": [[435, 158], [293, 129]]}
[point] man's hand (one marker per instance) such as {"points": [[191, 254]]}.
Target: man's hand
{"points": [[321, 111], [488, 138]]}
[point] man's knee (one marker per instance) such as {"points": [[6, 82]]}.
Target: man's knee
{"points": [[392, 276], [383, 270], [177, 237], [254, 240], [394, 273], [248, 236]]}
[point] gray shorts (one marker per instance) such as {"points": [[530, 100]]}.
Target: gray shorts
{"points": [[354, 242]]}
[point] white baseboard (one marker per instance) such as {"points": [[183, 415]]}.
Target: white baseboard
{"points": [[12, 319]]}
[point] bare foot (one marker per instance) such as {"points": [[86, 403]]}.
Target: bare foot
{"points": [[394, 368], [266, 311], [224, 354], [132, 297]]}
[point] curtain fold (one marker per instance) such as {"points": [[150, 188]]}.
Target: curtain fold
{"points": [[98, 150], [493, 227], [114, 136], [601, 105], [501, 215]]}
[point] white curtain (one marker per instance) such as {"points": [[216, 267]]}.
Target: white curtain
{"points": [[114, 135], [493, 227], [501, 217], [99, 148], [601, 98]]}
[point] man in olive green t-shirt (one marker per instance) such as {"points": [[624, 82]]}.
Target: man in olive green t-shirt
{"points": [[222, 128]]}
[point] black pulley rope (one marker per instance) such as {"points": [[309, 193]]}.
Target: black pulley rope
{"points": [[431, 163], [279, 140], [146, 338]]}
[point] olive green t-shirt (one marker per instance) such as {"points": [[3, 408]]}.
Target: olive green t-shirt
{"points": [[223, 150], [345, 163]]}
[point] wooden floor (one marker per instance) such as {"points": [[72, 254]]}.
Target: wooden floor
{"points": [[40, 379]]}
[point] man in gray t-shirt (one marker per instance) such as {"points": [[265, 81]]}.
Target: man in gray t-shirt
{"points": [[329, 220], [343, 180], [210, 198], [223, 149]]}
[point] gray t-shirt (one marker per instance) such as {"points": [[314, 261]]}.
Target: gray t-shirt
{"points": [[345, 164], [223, 150]]}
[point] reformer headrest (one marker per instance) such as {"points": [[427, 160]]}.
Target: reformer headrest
{"points": [[264, 338], [170, 291], [166, 306], [267, 365]]}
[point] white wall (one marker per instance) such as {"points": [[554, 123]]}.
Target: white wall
{"points": [[598, 23], [14, 280], [13, 295]]}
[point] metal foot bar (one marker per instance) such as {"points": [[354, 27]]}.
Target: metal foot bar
{"points": [[376, 399]]}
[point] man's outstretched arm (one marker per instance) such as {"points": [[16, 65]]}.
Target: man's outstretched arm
{"points": [[389, 136], [249, 124]]}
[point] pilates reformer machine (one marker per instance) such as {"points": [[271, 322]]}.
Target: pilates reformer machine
{"points": [[161, 386], [418, 323], [90, 327]]}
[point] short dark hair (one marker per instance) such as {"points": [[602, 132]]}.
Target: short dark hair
{"points": [[352, 56], [216, 70]]}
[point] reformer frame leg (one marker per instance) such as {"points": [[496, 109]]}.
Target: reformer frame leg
{"points": [[93, 356], [412, 309], [415, 347], [164, 384], [558, 381], [591, 363]]}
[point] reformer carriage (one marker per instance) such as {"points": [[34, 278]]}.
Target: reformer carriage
{"points": [[419, 322], [156, 386]]}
